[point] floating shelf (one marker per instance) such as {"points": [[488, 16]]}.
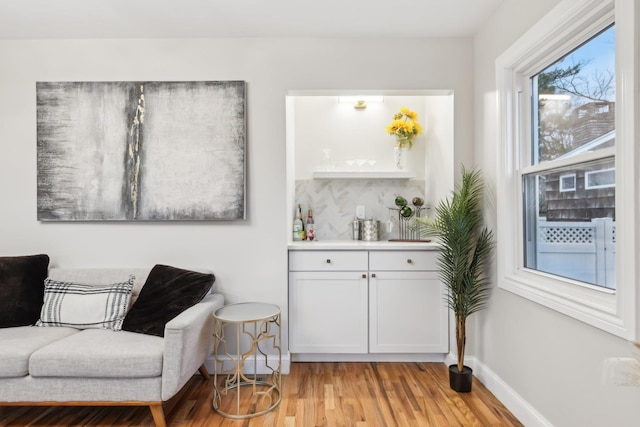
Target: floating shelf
{"points": [[363, 175]]}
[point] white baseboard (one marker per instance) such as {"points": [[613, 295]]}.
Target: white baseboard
{"points": [[367, 357], [451, 359], [260, 364], [515, 403]]}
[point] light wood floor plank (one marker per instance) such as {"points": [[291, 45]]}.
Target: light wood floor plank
{"points": [[313, 395]]}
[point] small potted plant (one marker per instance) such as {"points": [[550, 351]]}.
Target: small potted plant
{"points": [[465, 250], [404, 128]]}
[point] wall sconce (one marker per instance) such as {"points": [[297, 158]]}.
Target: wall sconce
{"points": [[359, 102]]}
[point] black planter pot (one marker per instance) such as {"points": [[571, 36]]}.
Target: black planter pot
{"points": [[460, 381]]}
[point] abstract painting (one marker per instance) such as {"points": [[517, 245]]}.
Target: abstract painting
{"points": [[127, 151]]}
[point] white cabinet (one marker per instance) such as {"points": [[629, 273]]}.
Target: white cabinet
{"points": [[407, 310], [328, 302], [366, 302]]}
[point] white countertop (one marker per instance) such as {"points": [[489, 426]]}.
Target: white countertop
{"points": [[346, 245]]}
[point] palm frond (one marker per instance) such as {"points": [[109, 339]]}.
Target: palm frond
{"points": [[465, 245]]}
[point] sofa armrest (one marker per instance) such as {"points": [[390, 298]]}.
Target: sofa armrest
{"points": [[188, 341]]}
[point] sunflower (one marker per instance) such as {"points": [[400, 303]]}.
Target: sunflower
{"points": [[412, 115], [404, 127]]}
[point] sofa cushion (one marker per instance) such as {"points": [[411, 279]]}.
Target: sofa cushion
{"points": [[18, 344], [100, 353], [102, 275], [21, 289], [167, 292], [85, 306]]}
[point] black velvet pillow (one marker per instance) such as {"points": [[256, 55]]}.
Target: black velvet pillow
{"points": [[22, 289], [167, 292]]}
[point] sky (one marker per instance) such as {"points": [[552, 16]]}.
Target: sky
{"points": [[599, 53]]}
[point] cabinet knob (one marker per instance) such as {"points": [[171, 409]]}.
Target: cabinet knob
{"points": [[328, 261], [364, 276], [409, 261], [373, 275]]}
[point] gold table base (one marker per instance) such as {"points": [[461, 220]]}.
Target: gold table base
{"points": [[258, 327]]}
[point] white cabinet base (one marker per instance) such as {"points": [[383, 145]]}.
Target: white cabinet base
{"points": [[328, 312], [366, 305], [370, 357], [407, 313]]}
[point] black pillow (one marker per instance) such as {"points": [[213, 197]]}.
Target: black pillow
{"points": [[22, 289], [167, 292]]}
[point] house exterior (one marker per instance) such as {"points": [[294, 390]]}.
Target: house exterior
{"points": [[596, 200], [580, 194]]}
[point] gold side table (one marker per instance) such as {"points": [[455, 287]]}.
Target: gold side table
{"points": [[255, 321]]}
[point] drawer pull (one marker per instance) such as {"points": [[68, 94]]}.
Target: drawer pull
{"points": [[364, 276], [328, 261], [409, 261]]}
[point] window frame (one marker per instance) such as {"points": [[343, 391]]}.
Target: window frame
{"points": [[595, 187], [562, 30], [563, 188]]}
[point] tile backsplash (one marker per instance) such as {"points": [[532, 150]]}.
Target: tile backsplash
{"points": [[334, 203]]}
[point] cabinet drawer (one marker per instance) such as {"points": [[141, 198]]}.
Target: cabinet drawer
{"points": [[403, 260], [328, 260]]}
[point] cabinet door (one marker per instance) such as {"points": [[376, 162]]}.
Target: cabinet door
{"points": [[408, 313], [328, 312]]}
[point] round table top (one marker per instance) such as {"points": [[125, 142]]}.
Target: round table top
{"points": [[246, 312]]}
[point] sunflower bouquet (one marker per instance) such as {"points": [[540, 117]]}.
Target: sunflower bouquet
{"points": [[405, 127]]}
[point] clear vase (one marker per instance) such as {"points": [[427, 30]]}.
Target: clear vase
{"points": [[400, 155]]}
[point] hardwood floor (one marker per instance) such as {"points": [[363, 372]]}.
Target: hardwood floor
{"points": [[314, 394]]}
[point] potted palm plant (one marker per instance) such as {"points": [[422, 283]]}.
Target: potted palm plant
{"points": [[465, 249]]}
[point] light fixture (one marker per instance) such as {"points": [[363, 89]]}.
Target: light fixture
{"points": [[360, 105], [359, 101]]}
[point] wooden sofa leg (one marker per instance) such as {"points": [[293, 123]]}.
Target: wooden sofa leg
{"points": [[204, 372], [158, 415]]}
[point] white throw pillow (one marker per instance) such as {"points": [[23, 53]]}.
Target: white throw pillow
{"points": [[85, 306]]}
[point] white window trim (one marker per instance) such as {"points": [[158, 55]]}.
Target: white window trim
{"points": [[595, 187], [564, 189], [577, 20]]}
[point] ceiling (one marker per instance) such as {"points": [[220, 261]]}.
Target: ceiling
{"points": [[47, 19]]}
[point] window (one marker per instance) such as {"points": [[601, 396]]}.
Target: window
{"points": [[568, 166], [568, 182], [573, 116], [605, 178], [571, 236]]}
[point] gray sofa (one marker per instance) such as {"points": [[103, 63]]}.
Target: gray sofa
{"points": [[99, 367]]}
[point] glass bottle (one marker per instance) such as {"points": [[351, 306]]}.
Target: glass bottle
{"points": [[311, 232], [298, 226], [304, 232]]}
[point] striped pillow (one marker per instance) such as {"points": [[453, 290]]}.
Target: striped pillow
{"points": [[83, 306]]}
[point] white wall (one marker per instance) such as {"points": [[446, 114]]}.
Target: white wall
{"points": [[352, 134], [329, 134], [552, 361], [249, 257], [441, 128]]}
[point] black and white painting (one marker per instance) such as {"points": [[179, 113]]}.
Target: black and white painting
{"points": [[141, 150]]}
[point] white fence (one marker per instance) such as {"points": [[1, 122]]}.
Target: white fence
{"points": [[584, 251]]}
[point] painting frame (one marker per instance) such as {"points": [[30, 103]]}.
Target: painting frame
{"points": [[141, 151]]}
